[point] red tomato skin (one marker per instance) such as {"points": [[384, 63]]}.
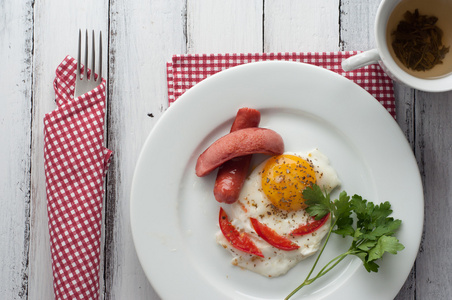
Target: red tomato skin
{"points": [[310, 227], [239, 240], [272, 237]]}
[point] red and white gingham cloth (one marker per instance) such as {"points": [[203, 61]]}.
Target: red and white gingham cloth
{"points": [[184, 71], [75, 165]]}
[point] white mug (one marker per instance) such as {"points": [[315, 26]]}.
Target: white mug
{"points": [[382, 54]]}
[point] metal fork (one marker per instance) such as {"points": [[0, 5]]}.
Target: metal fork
{"points": [[85, 84]]}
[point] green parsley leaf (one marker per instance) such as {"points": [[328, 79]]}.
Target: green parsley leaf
{"points": [[388, 229], [366, 246], [319, 204], [371, 266], [369, 225], [342, 212], [385, 244]]}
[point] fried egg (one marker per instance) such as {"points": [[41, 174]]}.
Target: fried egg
{"points": [[272, 194]]}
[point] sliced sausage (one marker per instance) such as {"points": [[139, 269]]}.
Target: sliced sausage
{"points": [[232, 174], [239, 143]]}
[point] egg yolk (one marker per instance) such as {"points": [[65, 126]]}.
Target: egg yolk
{"points": [[284, 178]]}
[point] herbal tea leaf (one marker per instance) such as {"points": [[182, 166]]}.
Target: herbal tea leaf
{"points": [[417, 41], [385, 244]]}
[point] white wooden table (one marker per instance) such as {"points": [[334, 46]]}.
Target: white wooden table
{"points": [[139, 38]]}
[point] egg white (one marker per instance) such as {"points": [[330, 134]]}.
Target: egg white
{"points": [[253, 203]]}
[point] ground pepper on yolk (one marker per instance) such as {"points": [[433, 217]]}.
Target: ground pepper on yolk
{"points": [[284, 178]]}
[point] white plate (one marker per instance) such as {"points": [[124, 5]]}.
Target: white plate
{"points": [[174, 214]]}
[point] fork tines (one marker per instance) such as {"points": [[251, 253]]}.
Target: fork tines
{"points": [[85, 84]]}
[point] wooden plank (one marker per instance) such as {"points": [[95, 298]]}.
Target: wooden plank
{"points": [[357, 20], [294, 26], [56, 26], [405, 108], [16, 29], [224, 26], [130, 107], [405, 118], [433, 141], [143, 37]]}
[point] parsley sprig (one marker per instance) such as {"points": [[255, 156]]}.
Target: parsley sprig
{"points": [[372, 230]]}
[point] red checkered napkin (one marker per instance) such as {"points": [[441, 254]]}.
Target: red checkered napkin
{"points": [[184, 71], [75, 166]]}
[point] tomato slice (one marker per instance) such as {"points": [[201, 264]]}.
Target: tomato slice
{"points": [[239, 240], [310, 227], [272, 237]]}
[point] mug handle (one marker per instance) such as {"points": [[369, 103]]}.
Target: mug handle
{"points": [[360, 60]]}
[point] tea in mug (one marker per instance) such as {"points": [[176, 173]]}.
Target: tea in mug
{"points": [[419, 36]]}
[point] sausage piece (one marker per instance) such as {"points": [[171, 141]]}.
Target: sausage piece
{"points": [[246, 117], [239, 143], [232, 174]]}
